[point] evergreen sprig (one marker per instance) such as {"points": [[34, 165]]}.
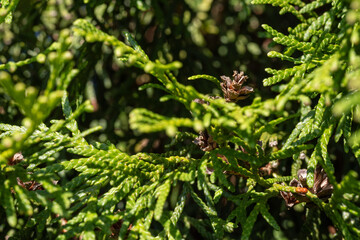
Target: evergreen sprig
{"points": [[55, 181]]}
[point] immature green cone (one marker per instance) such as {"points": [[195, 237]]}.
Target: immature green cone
{"points": [[233, 89]]}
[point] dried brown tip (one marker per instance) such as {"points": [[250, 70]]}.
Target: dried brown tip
{"points": [[269, 168], [18, 157], [205, 141]]}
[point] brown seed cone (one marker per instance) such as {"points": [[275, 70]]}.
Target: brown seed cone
{"points": [[233, 89], [322, 187]]}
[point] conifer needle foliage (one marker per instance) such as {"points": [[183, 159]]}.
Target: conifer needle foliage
{"points": [[56, 184]]}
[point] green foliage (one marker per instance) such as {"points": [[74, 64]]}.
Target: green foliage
{"points": [[58, 182], [6, 9]]}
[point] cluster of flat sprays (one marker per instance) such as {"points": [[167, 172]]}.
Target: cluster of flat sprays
{"points": [[322, 187], [234, 90]]}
